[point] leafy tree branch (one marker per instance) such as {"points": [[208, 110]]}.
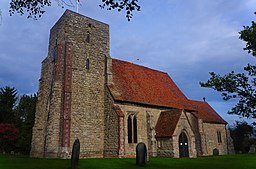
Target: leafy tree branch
{"points": [[35, 8], [240, 86]]}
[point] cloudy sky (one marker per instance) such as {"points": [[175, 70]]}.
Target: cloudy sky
{"points": [[185, 38]]}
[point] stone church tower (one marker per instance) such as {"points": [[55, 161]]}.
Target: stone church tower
{"points": [[72, 76]]}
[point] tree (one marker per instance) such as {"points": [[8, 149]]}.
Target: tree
{"points": [[240, 86], [249, 36], [242, 134], [8, 98], [8, 130], [25, 117], [34, 8], [8, 136]]}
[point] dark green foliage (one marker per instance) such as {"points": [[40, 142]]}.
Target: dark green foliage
{"points": [[35, 8], [16, 121], [128, 5], [25, 117], [240, 86], [8, 98], [8, 137], [249, 36], [242, 135], [8, 130]]}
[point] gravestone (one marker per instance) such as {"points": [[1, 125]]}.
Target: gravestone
{"points": [[75, 154], [252, 149], [141, 154], [216, 152]]}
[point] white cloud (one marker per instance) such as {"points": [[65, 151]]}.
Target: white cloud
{"points": [[187, 39]]}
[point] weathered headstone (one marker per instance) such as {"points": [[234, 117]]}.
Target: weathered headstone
{"points": [[252, 149], [141, 154], [216, 152], [75, 154]]}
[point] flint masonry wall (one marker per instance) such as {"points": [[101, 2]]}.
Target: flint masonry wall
{"points": [[47, 127], [111, 142], [74, 82], [212, 142], [39, 129], [90, 41], [193, 120], [145, 127], [112, 135], [165, 147]]}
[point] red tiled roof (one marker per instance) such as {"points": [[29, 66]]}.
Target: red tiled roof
{"points": [[207, 113], [167, 122], [139, 84]]}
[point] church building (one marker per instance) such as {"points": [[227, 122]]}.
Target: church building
{"points": [[110, 105]]}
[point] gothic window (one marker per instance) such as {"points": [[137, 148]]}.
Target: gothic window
{"points": [[219, 137], [129, 123], [132, 129], [87, 64]]}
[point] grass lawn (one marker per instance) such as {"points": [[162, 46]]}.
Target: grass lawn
{"points": [[214, 162]]}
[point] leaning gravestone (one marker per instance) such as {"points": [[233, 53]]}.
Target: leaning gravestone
{"points": [[75, 154], [141, 154]]}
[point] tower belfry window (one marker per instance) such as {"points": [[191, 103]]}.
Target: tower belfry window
{"points": [[54, 54], [87, 64], [88, 37]]}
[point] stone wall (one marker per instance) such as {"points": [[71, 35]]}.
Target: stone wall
{"points": [[39, 129], [203, 137], [165, 147], [46, 131], [86, 41], [184, 125], [193, 120], [111, 140], [90, 39], [145, 131], [211, 137]]}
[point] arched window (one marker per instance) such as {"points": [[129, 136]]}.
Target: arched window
{"points": [[87, 64], [132, 129], [129, 127], [219, 137]]}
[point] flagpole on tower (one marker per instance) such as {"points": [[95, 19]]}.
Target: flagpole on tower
{"points": [[77, 1]]}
